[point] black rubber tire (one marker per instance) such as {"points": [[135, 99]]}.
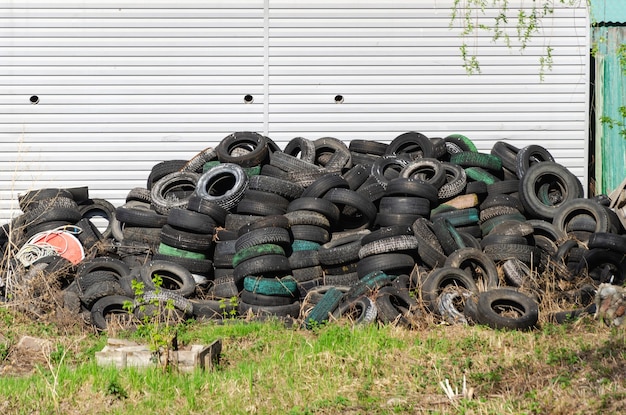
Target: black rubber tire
{"points": [[197, 162], [98, 290], [479, 264], [303, 259], [438, 279], [139, 194], [604, 266], [391, 263], [558, 178], [109, 305], [387, 168], [570, 316], [356, 176], [213, 309], [320, 205], [605, 240], [302, 148], [85, 281], [254, 144], [346, 198], [337, 151], [266, 300], [209, 208], [491, 303], [89, 236], [426, 170], [504, 187], [284, 311], [191, 221], [386, 232], [307, 217], [369, 284], [413, 145], [529, 255], [138, 214], [342, 249], [273, 235], [447, 235], [175, 277], [396, 306], [528, 156], [275, 185], [456, 179], [43, 214], [409, 187], [310, 233], [103, 263], [324, 183], [458, 217], [290, 164], [195, 242], [223, 253], [567, 212], [407, 205], [100, 208], [496, 200], [398, 243], [429, 248], [224, 286], [341, 280], [360, 311], [373, 191], [495, 239], [507, 154], [516, 272], [163, 297], [31, 199], [255, 202], [162, 169], [173, 191], [395, 219], [367, 147], [264, 265], [223, 185]]}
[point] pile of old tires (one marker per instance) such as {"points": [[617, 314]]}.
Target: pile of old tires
{"points": [[323, 230]]}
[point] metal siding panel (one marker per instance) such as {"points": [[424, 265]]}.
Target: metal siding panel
{"points": [[121, 86], [610, 93], [125, 84], [398, 67]]}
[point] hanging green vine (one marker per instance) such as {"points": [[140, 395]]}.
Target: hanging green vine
{"points": [[473, 18]]}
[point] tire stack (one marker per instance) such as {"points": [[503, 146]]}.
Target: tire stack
{"points": [[187, 239], [365, 229], [261, 264]]}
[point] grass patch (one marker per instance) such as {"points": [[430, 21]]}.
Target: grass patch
{"points": [[266, 368]]}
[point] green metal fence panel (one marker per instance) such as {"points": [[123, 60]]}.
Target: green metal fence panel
{"points": [[610, 101]]}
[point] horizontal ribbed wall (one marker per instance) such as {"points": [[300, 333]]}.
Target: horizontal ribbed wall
{"points": [[122, 85], [398, 67]]}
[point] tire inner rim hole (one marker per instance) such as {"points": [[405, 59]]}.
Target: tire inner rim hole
{"points": [[169, 281], [508, 309], [221, 184], [242, 147]]}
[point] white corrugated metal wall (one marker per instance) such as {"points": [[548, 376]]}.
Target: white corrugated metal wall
{"points": [[122, 85]]}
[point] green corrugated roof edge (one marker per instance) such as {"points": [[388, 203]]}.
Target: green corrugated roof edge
{"points": [[608, 11]]}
